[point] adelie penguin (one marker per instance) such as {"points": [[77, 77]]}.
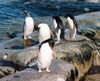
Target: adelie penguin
{"points": [[28, 26], [72, 24], [45, 55], [44, 31], [59, 27]]}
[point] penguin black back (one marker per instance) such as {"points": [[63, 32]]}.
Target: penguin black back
{"points": [[74, 20], [50, 41], [59, 26]]}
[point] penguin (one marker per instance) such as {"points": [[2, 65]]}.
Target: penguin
{"points": [[44, 31], [28, 26], [59, 27], [72, 24], [45, 55]]}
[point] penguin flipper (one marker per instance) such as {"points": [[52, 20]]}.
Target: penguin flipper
{"points": [[23, 27], [76, 24], [57, 29]]}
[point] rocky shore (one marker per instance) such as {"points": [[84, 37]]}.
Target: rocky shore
{"points": [[75, 57]]}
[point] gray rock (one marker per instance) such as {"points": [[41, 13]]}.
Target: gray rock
{"points": [[94, 77], [78, 52], [24, 57], [61, 71], [6, 52], [6, 68]]}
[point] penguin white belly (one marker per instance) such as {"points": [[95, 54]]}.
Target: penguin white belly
{"points": [[29, 26], [55, 24], [71, 25], [58, 34], [44, 34], [45, 56]]}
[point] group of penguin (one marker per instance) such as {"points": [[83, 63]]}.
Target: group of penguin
{"points": [[45, 53]]}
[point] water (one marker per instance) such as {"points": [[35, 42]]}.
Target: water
{"points": [[11, 19]]}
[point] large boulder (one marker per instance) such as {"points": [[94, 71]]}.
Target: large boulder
{"points": [[78, 52], [61, 71], [24, 57]]}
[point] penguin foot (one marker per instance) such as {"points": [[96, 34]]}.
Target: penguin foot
{"points": [[29, 37], [25, 38], [56, 42], [40, 71], [47, 70]]}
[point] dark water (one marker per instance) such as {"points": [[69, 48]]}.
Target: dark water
{"points": [[11, 20], [10, 10]]}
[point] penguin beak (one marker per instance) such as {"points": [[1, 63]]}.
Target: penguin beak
{"points": [[22, 12]]}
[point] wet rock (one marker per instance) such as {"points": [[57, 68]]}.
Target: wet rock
{"points": [[92, 1], [80, 52], [6, 52], [93, 74], [90, 33], [12, 35], [61, 71], [24, 57], [94, 77], [6, 68], [77, 52]]}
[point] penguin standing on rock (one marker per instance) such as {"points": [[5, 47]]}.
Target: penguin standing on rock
{"points": [[44, 31], [58, 25], [45, 55], [28, 26], [72, 24]]}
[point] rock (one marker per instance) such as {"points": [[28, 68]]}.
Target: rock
{"points": [[24, 57], [81, 53], [61, 71], [77, 52], [90, 33], [6, 52], [94, 77], [6, 68], [93, 74]]}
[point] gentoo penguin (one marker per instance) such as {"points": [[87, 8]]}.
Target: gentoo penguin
{"points": [[45, 55], [28, 25], [72, 24], [44, 31], [58, 25]]}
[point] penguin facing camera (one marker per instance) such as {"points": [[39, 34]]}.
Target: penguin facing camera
{"points": [[59, 27], [44, 31], [72, 24], [45, 55], [28, 26]]}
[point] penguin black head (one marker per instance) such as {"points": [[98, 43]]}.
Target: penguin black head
{"points": [[50, 41], [73, 19], [57, 18], [69, 15], [26, 12], [36, 27]]}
